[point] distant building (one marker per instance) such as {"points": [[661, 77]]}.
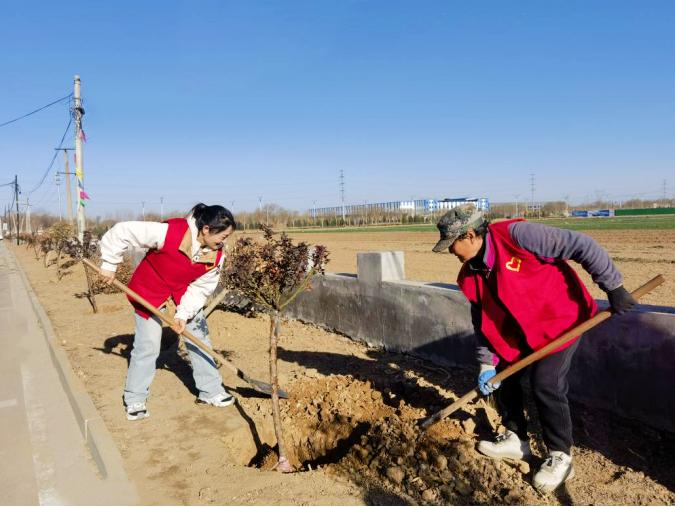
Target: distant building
{"points": [[481, 203], [411, 207]]}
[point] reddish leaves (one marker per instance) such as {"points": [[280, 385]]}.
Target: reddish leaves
{"points": [[274, 272]]}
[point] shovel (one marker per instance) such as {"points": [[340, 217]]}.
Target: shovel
{"points": [[558, 342], [261, 387]]}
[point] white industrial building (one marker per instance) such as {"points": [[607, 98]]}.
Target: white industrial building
{"points": [[412, 207]]}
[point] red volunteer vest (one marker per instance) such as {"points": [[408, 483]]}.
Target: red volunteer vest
{"points": [[167, 272], [526, 297]]}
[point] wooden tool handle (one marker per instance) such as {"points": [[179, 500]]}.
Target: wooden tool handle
{"points": [[152, 309], [535, 356], [215, 302]]}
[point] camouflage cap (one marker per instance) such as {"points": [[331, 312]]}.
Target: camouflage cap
{"points": [[456, 222]]}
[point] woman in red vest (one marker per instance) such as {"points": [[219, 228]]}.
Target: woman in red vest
{"points": [[523, 295], [184, 259]]}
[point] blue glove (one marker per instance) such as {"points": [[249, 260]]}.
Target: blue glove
{"points": [[486, 373]]}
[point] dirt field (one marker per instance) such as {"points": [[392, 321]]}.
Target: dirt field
{"points": [[350, 418], [639, 255]]}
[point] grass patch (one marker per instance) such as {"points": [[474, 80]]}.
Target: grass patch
{"points": [[370, 228], [653, 222], [649, 222]]}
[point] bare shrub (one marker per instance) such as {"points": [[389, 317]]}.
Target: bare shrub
{"points": [[272, 274]]}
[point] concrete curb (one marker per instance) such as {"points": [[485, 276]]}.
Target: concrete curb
{"points": [[94, 431]]}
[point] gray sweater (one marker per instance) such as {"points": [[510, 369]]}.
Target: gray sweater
{"points": [[552, 243]]}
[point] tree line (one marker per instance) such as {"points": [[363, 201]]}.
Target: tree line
{"points": [[274, 215]]}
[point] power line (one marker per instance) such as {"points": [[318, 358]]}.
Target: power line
{"points": [[47, 196], [56, 152], [37, 110]]}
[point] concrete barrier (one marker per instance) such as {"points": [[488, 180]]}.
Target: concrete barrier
{"points": [[624, 365]]}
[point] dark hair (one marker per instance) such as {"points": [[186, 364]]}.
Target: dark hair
{"points": [[215, 217]]}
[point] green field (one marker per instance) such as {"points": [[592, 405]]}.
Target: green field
{"points": [[576, 224], [612, 223], [370, 228]]}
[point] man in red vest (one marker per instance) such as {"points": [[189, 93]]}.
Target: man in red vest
{"points": [[183, 263], [523, 295]]}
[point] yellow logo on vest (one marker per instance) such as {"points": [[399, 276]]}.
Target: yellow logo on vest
{"points": [[514, 264]]}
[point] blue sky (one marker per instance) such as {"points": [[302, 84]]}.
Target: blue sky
{"points": [[223, 102]]}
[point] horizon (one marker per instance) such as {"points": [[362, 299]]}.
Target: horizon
{"points": [[239, 102]]}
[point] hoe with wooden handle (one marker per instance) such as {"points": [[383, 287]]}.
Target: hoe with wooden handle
{"points": [[261, 387], [558, 342]]}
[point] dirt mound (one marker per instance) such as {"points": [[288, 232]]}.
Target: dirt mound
{"points": [[328, 415], [342, 423]]}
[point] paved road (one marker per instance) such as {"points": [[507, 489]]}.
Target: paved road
{"points": [[43, 457]]}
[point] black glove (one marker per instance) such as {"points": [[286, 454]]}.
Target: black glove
{"points": [[621, 300]]}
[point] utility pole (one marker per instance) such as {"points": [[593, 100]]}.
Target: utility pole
{"points": [[342, 193], [143, 208], [57, 180], [532, 192], [517, 196], [69, 198], [16, 198], [260, 206], [532, 197], [161, 209], [28, 229], [78, 112]]}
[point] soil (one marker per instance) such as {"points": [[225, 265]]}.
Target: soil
{"points": [[350, 421], [639, 255]]}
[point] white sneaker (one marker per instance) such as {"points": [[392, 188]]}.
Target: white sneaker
{"points": [[137, 411], [507, 445], [224, 399], [556, 469]]}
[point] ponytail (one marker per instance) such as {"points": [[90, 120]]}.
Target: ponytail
{"points": [[215, 217]]}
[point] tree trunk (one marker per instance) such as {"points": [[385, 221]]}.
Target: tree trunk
{"points": [[283, 465], [90, 292], [46, 259], [58, 266]]}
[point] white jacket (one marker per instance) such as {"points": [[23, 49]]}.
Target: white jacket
{"points": [[152, 235]]}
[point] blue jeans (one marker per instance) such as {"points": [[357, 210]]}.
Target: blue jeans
{"points": [[142, 365]]}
